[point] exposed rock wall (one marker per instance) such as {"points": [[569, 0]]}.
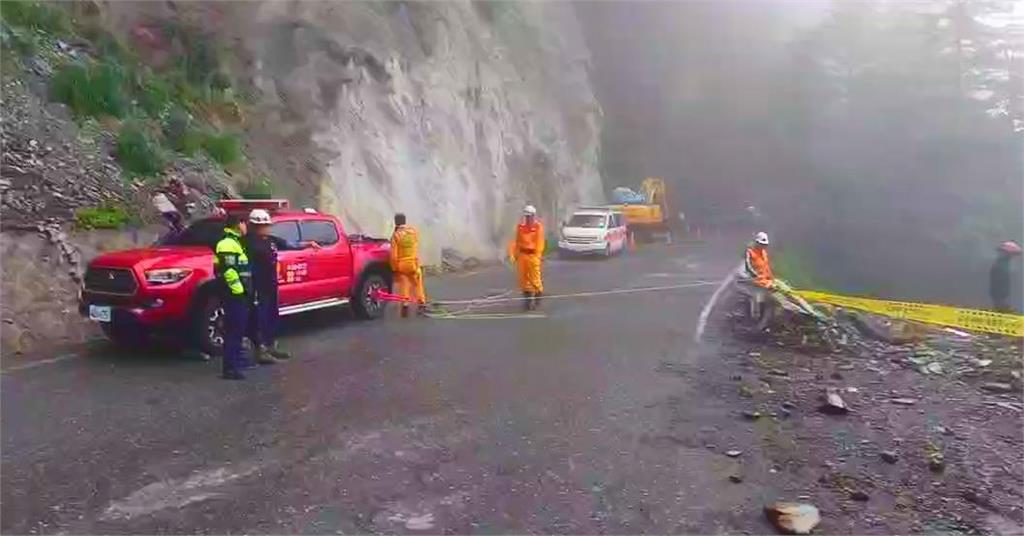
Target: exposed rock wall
{"points": [[456, 113], [39, 288]]}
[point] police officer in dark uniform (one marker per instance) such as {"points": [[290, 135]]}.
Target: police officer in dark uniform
{"points": [[231, 264], [263, 248]]}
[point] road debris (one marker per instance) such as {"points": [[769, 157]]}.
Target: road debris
{"points": [[859, 496], [904, 401], [957, 332], [422, 522], [733, 453], [833, 403], [913, 386], [793, 518], [1008, 405], [735, 479], [997, 387], [889, 456]]}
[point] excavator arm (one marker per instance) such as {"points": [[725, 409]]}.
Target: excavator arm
{"points": [[653, 189]]}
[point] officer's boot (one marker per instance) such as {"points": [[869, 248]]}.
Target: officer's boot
{"points": [[421, 309], [405, 311], [527, 301], [262, 356], [536, 300]]}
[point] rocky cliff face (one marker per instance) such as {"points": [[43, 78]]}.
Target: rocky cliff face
{"points": [[456, 113]]}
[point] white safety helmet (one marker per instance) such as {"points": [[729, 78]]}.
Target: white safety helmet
{"points": [[258, 216], [530, 210], [761, 238]]}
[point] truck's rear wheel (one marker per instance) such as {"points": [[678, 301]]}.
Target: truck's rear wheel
{"points": [[363, 303]]}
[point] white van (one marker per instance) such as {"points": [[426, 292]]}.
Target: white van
{"points": [[593, 231]]}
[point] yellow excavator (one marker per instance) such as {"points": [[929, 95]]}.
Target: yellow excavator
{"points": [[648, 220]]}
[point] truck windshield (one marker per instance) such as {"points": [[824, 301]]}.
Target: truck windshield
{"points": [[587, 221], [201, 233]]}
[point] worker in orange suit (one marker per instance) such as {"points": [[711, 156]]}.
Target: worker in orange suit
{"points": [[405, 265], [757, 271], [526, 250], [756, 265]]}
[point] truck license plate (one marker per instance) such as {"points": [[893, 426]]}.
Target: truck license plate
{"points": [[99, 313]]}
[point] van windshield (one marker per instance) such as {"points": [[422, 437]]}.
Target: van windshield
{"points": [[587, 221]]}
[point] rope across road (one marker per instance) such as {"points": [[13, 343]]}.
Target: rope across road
{"points": [[503, 299], [439, 308]]}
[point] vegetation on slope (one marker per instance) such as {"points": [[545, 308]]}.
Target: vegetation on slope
{"points": [[157, 115]]}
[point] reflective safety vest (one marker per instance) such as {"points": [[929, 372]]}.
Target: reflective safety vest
{"points": [[405, 244], [231, 264], [529, 240], [757, 267]]}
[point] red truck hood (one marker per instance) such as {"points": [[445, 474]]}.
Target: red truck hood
{"points": [[155, 257]]}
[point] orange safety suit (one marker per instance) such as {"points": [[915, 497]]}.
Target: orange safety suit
{"points": [[526, 250], [757, 266], [405, 264]]}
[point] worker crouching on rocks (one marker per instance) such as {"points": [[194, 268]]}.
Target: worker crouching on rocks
{"points": [[526, 251], [405, 265], [757, 272]]}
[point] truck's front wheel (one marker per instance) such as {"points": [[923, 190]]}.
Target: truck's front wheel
{"points": [[363, 303], [208, 324]]}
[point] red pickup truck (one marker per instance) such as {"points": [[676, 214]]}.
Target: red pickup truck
{"points": [[170, 286]]}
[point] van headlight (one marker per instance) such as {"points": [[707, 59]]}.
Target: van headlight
{"points": [[166, 276]]}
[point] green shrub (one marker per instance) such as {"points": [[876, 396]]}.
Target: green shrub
{"points": [[153, 94], [102, 217], [180, 132], [106, 44], [200, 61], [22, 41], [91, 90], [260, 188], [220, 81], [137, 153], [35, 16], [224, 148]]}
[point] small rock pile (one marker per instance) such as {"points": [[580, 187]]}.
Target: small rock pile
{"points": [[929, 349], [46, 172]]}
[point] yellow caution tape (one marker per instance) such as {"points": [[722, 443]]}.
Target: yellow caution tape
{"points": [[943, 315]]}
